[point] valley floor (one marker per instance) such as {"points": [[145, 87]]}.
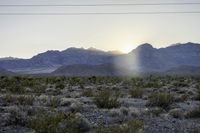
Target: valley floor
{"points": [[152, 104]]}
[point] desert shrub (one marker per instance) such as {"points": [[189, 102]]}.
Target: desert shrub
{"points": [[176, 113], [156, 111], [9, 98], [124, 111], [60, 85], [195, 113], [59, 123], [17, 117], [152, 84], [13, 85], [74, 81], [198, 93], [16, 88], [180, 84], [39, 88], [163, 100], [136, 93], [54, 102], [181, 98], [25, 100], [75, 123], [92, 79], [105, 99], [196, 130], [133, 126], [45, 123], [19, 100], [184, 97], [87, 93]]}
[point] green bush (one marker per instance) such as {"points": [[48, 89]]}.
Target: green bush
{"points": [[75, 124], [133, 126], [16, 88], [180, 84], [195, 113], [105, 99], [39, 88], [60, 85], [156, 111], [58, 123], [136, 93], [196, 130], [87, 93], [45, 123], [25, 100], [163, 100], [54, 102], [198, 93], [19, 100]]}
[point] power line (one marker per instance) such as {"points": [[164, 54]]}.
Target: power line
{"points": [[98, 13], [136, 4]]}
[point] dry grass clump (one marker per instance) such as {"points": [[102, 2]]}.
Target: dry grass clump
{"points": [[87, 93], [198, 93], [136, 93], [54, 102], [163, 100], [59, 123], [45, 123], [196, 130], [133, 126], [106, 99], [195, 113], [19, 100]]}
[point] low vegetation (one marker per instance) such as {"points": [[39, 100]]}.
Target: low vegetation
{"points": [[195, 113], [163, 100], [105, 99], [136, 93], [45, 123], [152, 104], [19, 100], [133, 126], [198, 92], [88, 93]]}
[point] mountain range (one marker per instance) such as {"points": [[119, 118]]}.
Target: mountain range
{"points": [[79, 61], [5, 72]]}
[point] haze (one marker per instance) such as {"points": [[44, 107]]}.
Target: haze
{"points": [[25, 36]]}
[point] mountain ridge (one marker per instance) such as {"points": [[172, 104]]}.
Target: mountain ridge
{"points": [[143, 58]]}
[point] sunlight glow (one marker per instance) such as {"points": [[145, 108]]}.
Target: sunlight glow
{"points": [[127, 48]]}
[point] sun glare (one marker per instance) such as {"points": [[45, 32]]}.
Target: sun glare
{"points": [[127, 48]]}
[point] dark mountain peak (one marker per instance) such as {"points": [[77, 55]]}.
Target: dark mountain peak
{"points": [[88, 51], [9, 58], [188, 44], [145, 46], [72, 49], [47, 54], [93, 49]]}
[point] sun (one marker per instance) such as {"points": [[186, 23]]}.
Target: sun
{"points": [[127, 48]]}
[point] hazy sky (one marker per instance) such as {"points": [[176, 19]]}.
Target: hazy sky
{"points": [[25, 36]]}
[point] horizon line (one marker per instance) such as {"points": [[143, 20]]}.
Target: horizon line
{"points": [[97, 49]]}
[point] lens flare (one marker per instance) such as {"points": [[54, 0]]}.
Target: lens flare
{"points": [[128, 64]]}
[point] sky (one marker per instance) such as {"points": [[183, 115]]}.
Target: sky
{"points": [[25, 36]]}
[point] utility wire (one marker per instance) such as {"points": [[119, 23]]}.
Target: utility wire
{"points": [[136, 4], [98, 13]]}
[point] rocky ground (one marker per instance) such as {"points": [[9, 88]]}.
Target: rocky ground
{"points": [[152, 104]]}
